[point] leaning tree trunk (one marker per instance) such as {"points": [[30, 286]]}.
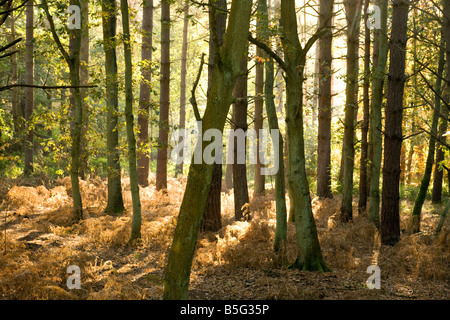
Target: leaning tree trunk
{"points": [[132, 159], [380, 59], [115, 199], [390, 210], [324, 108], [353, 13], [420, 198], [84, 80], [164, 101], [145, 93], [199, 178]]}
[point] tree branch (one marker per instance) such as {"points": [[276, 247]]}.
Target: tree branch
{"points": [[269, 51], [16, 85], [193, 100]]}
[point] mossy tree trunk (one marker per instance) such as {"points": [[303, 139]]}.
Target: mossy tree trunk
{"points": [[199, 178], [115, 204]]}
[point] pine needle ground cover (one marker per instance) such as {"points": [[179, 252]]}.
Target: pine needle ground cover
{"points": [[235, 263]]}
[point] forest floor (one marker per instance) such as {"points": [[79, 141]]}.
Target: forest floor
{"points": [[235, 263]]}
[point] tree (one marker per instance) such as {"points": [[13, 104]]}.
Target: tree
{"points": [[279, 244], [420, 198], [240, 106], [324, 107], [132, 159], [73, 62], [380, 59], [259, 103], [109, 21], [212, 219], [84, 81], [164, 98], [200, 175], [363, 186], [353, 15], [145, 93], [29, 92], [179, 169], [390, 218], [309, 253], [436, 195]]}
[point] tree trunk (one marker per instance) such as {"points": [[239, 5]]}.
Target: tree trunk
{"points": [[259, 101], [366, 117], [132, 159], [29, 92], [390, 215], [353, 13], [436, 195], [420, 198], [324, 108], [16, 110], [179, 169], [200, 175], [212, 219], [279, 244], [309, 253], [164, 101], [241, 198], [84, 80], [145, 93], [380, 58], [115, 200]]}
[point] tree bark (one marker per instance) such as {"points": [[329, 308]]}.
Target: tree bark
{"points": [[353, 13], [29, 92], [380, 58], [212, 219], [145, 93], [164, 101], [240, 186], [84, 81], [182, 125], [390, 215], [200, 175], [132, 158], [324, 108], [309, 253], [115, 200], [363, 188]]}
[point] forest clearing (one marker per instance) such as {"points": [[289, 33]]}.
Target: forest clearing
{"points": [[224, 150]]}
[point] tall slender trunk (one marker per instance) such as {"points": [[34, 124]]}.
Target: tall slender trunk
{"points": [[29, 92], [182, 125], [164, 101], [200, 175], [84, 80], [436, 195], [420, 198], [353, 13], [259, 101], [324, 108], [390, 215], [132, 159], [16, 110], [280, 239], [240, 185], [212, 219], [115, 200], [145, 93], [366, 116], [381, 49]]}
